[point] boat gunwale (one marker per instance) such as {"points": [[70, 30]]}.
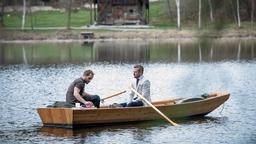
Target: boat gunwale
{"points": [[143, 107], [74, 117]]}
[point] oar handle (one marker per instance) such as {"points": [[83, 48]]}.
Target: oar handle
{"points": [[157, 110], [113, 95]]}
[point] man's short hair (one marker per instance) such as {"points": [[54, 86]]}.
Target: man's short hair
{"points": [[88, 72], [140, 67]]}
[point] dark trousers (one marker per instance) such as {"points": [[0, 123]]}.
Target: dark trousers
{"points": [[95, 99], [132, 104]]}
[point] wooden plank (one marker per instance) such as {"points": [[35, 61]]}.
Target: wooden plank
{"points": [[56, 115], [45, 115]]}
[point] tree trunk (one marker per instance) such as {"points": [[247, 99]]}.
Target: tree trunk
{"points": [[199, 14], [178, 13], [24, 15], [233, 10], [95, 12], [238, 14], [69, 13], [252, 13], [148, 13], [31, 16], [91, 12], [211, 10], [169, 8], [2, 13]]}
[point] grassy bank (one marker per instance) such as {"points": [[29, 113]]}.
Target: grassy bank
{"points": [[53, 35]]}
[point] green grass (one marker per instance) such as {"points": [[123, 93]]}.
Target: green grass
{"points": [[47, 19], [158, 16]]}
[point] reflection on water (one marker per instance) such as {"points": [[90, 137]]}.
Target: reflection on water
{"points": [[127, 51], [83, 132], [147, 125], [62, 132]]}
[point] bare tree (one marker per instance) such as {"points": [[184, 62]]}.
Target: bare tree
{"points": [[199, 14], [252, 13], [169, 8], [2, 13], [238, 13], [23, 15], [91, 1], [178, 13], [69, 6], [232, 9], [31, 15], [211, 10]]}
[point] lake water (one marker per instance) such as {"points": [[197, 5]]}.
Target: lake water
{"points": [[35, 75]]}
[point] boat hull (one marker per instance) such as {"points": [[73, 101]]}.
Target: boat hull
{"points": [[76, 117]]}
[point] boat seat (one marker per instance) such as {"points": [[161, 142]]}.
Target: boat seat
{"points": [[191, 100], [201, 97], [163, 102]]}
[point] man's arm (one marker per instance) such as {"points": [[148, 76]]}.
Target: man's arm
{"points": [[86, 94], [146, 90], [78, 96]]}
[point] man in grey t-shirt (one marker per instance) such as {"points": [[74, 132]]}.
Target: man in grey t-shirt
{"points": [[76, 93]]}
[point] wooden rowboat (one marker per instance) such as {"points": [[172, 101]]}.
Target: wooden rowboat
{"points": [[77, 117]]}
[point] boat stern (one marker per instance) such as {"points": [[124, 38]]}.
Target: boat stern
{"points": [[56, 116]]}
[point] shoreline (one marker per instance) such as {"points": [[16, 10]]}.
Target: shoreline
{"points": [[17, 36], [181, 40]]}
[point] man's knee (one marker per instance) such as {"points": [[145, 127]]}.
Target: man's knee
{"points": [[133, 104], [96, 98]]}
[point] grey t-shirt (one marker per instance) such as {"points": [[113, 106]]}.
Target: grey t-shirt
{"points": [[79, 83]]}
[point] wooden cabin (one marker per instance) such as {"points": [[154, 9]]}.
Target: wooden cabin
{"points": [[121, 12]]}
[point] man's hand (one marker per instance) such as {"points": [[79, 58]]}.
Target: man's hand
{"points": [[88, 104]]}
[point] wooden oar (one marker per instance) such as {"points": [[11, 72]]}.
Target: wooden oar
{"points": [[157, 110], [113, 95]]}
